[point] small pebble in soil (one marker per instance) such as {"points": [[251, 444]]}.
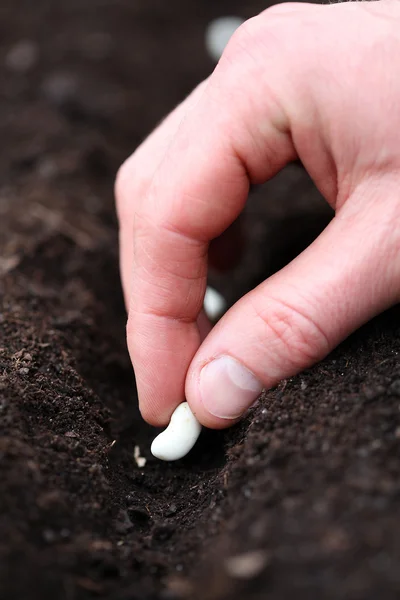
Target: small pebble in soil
{"points": [[218, 34], [139, 460], [163, 533], [171, 510], [60, 88], [214, 304], [395, 387], [247, 493], [47, 168], [179, 437], [22, 57], [49, 536], [177, 587], [123, 523], [247, 565]]}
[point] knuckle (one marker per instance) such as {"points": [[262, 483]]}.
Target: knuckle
{"points": [[257, 46], [242, 41], [259, 35], [243, 34], [298, 338]]}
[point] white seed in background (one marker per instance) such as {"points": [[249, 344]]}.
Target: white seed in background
{"points": [[218, 34], [214, 304], [139, 460], [179, 437]]}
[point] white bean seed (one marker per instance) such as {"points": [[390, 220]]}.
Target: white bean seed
{"points": [[214, 304], [179, 437]]}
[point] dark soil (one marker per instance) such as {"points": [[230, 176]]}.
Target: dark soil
{"points": [[302, 499]]}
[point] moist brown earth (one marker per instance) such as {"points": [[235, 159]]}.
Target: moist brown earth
{"points": [[302, 498]]}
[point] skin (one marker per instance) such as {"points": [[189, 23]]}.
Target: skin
{"points": [[299, 81]]}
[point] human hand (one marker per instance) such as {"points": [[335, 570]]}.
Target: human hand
{"points": [[318, 83]]}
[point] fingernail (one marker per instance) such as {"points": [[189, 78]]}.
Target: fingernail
{"points": [[227, 388]]}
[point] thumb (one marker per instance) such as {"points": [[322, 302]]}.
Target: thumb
{"points": [[292, 320]]}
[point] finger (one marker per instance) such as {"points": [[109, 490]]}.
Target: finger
{"points": [[199, 189], [135, 176], [348, 275]]}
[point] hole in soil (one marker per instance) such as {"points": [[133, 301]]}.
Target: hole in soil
{"points": [[140, 518]]}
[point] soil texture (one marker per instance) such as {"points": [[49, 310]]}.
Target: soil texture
{"points": [[299, 500]]}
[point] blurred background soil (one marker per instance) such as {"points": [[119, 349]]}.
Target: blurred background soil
{"points": [[302, 498]]}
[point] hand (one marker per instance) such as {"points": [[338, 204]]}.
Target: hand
{"points": [[318, 83]]}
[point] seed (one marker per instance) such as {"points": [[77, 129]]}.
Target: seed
{"points": [[214, 304], [179, 437]]}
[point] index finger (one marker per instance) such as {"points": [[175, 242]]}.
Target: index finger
{"points": [[226, 141]]}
